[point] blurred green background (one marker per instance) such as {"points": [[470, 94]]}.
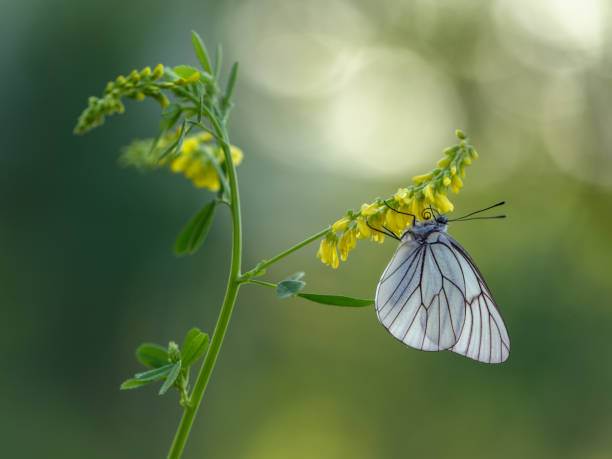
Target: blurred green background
{"points": [[337, 103]]}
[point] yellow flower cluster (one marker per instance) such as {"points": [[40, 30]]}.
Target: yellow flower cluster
{"points": [[137, 85], [195, 160], [428, 191]]}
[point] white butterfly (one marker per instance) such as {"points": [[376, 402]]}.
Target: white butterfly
{"points": [[432, 297]]}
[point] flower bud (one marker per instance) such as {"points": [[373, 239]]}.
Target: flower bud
{"points": [[134, 75], [174, 353], [444, 161], [421, 178], [158, 71]]}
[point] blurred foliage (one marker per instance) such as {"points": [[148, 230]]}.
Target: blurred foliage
{"points": [[88, 246]]}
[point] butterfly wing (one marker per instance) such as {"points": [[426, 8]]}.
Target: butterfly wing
{"points": [[484, 336], [432, 297], [416, 302]]}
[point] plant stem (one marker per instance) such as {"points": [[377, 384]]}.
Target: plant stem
{"points": [[265, 284], [231, 292], [265, 263]]}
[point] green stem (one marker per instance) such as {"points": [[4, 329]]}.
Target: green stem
{"points": [[233, 285], [265, 284], [257, 270]]}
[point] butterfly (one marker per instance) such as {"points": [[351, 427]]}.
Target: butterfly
{"points": [[432, 296]]}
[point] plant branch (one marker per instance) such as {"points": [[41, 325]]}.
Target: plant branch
{"points": [[233, 285], [263, 264]]}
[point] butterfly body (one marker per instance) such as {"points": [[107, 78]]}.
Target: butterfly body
{"points": [[432, 297]]}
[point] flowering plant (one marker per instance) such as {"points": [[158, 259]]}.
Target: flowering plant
{"points": [[207, 158]]}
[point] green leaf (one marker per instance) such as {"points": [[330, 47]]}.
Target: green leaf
{"points": [[200, 50], [174, 372], [184, 71], [154, 375], [133, 384], [152, 355], [179, 143], [170, 116], [289, 287], [194, 347], [336, 300], [194, 233], [297, 276]]}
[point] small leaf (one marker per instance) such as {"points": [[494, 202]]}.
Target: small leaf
{"points": [[184, 71], [194, 233], [170, 116], [289, 287], [336, 300], [194, 347], [231, 81], [174, 372], [133, 384], [179, 143], [152, 355], [200, 51], [154, 375]]}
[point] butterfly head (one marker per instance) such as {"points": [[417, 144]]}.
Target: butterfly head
{"points": [[421, 229]]}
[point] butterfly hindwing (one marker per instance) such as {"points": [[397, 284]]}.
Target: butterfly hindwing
{"points": [[432, 297]]}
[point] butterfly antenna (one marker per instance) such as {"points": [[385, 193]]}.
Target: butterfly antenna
{"points": [[481, 210], [387, 232], [399, 212], [478, 218]]}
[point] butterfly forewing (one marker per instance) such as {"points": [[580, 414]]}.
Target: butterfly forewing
{"points": [[432, 297]]}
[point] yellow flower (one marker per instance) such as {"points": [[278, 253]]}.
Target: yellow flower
{"points": [[341, 224], [363, 230], [456, 184], [206, 177], [377, 236], [327, 251], [347, 242], [180, 163], [446, 181], [429, 196], [236, 154], [402, 196], [369, 209], [467, 161], [453, 170], [190, 145], [442, 203], [396, 222]]}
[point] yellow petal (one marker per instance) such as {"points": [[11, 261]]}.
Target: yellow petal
{"points": [[180, 163], [369, 209], [363, 230], [341, 224]]}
